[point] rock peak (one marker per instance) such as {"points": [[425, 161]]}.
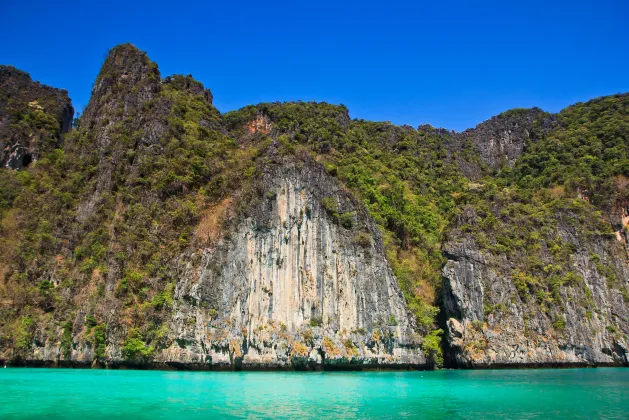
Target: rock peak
{"points": [[7, 71], [128, 78], [501, 139], [128, 62], [33, 118]]}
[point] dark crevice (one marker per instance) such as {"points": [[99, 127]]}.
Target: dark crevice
{"points": [[449, 352], [27, 160]]}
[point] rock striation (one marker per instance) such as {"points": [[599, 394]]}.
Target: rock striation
{"points": [[159, 233], [293, 287], [293, 276], [492, 322]]}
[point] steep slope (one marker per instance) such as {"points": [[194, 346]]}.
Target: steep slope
{"points": [[536, 274], [559, 298], [160, 233], [295, 284], [167, 241]]}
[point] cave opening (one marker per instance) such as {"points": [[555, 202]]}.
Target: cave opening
{"points": [[27, 160]]}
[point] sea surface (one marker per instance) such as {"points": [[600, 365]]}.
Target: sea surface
{"points": [[510, 394]]}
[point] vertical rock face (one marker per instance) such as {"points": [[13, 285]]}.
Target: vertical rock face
{"points": [[492, 322], [290, 285], [167, 234], [296, 278], [32, 118]]}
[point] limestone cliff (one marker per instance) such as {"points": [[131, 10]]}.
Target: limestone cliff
{"points": [[284, 285], [498, 316], [284, 270], [290, 285], [160, 233]]}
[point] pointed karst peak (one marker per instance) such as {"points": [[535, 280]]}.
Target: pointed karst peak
{"points": [[127, 79], [126, 64], [128, 57], [501, 139]]}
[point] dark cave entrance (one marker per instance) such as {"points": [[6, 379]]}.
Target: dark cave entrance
{"points": [[27, 160]]}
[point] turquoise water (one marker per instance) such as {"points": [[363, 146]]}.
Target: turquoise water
{"points": [[544, 393]]}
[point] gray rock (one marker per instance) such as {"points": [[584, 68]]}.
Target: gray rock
{"points": [[490, 325], [292, 286]]}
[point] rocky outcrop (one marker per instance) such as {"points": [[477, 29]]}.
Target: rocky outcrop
{"points": [[297, 281], [291, 285], [501, 140], [125, 105], [288, 272], [32, 118], [168, 235], [494, 321], [127, 80]]}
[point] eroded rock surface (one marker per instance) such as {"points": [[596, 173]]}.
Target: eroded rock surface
{"points": [[490, 323], [291, 286], [165, 234]]}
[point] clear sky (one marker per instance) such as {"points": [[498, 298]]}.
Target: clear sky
{"points": [[452, 64]]}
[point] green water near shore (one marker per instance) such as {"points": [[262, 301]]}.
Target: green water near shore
{"points": [[543, 393]]}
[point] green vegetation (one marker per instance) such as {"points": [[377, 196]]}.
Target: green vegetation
{"points": [[103, 221], [362, 239], [23, 335], [32, 114], [559, 324], [585, 155], [406, 179], [431, 346], [142, 218], [98, 335], [66, 339], [316, 321], [134, 349], [411, 183], [565, 182]]}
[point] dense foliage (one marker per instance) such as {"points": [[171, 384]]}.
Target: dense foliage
{"points": [[406, 178], [586, 154], [116, 250], [573, 180], [411, 183], [103, 216]]}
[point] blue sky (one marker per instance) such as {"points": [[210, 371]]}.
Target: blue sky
{"points": [[452, 64]]}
